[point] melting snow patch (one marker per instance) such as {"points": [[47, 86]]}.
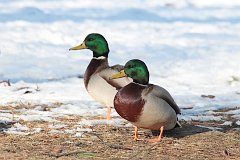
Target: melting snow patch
{"points": [[238, 123], [79, 134], [40, 108], [80, 131], [37, 118], [54, 131], [6, 116], [57, 126], [17, 128], [70, 131], [82, 109], [236, 112], [115, 122], [84, 129], [211, 128], [37, 130], [18, 132], [227, 123], [237, 116], [199, 117]]}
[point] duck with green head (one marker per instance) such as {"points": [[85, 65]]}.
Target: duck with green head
{"points": [[144, 105], [96, 77]]}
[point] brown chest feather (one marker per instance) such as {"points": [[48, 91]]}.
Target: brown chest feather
{"points": [[98, 65], [129, 103], [94, 65]]}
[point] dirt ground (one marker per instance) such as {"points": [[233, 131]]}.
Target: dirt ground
{"points": [[192, 141]]}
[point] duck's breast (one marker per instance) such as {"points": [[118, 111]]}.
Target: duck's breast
{"points": [[102, 89], [129, 103]]}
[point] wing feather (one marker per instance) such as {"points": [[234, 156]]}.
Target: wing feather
{"points": [[165, 95]]}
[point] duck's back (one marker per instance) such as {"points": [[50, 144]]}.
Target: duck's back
{"points": [[165, 95]]}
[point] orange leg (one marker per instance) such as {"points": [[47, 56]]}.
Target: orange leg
{"points": [[160, 136], [108, 113], [136, 134]]}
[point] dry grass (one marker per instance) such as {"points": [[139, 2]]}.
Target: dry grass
{"points": [[109, 142]]}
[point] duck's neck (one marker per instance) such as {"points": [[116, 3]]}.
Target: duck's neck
{"points": [[96, 64], [103, 53], [100, 58], [144, 85]]}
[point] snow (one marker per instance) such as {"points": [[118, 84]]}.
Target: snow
{"points": [[116, 122], [57, 126], [238, 122], [80, 131], [20, 129], [199, 117], [190, 47], [227, 123], [211, 128]]}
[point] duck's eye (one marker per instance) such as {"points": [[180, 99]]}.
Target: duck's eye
{"points": [[132, 66], [129, 66], [90, 39]]}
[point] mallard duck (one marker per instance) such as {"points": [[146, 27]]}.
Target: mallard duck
{"points": [[96, 77], [145, 105]]}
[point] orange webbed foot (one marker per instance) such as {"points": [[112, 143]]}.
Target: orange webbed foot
{"points": [[137, 139], [155, 140]]}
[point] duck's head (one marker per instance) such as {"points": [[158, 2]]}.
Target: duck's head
{"points": [[136, 69], [96, 43]]}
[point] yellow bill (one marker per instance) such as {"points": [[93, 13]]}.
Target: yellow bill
{"points": [[118, 75], [79, 47]]}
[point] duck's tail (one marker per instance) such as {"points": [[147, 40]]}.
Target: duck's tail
{"points": [[178, 125]]}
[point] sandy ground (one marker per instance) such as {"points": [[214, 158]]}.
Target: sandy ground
{"points": [[192, 141]]}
